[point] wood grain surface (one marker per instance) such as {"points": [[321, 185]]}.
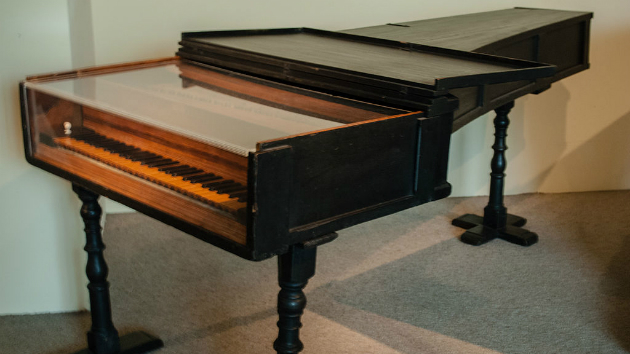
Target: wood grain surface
{"points": [[469, 32], [145, 192], [369, 61], [289, 98]]}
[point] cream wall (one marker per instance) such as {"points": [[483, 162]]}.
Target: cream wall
{"points": [[40, 231], [571, 138]]}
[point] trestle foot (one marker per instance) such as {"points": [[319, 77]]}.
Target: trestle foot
{"points": [[496, 222], [480, 234], [134, 343], [468, 221]]}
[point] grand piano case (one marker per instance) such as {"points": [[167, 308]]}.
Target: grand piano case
{"points": [[413, 76], [258, 140]]}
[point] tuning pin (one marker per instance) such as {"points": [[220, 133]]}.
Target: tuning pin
{"points": [[67, 126]]}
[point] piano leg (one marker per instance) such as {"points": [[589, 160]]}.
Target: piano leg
{"points": [[103, 336], [295, 268], [496, 222]]}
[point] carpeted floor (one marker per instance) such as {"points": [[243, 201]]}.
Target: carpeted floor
{"points": [[400, 284]]}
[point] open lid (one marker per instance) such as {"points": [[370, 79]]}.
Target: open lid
{"points": [[357, 65]]}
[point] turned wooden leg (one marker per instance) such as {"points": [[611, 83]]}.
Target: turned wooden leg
{"points": [[295, 268], [495, 213], [496, 222], [103, 337]]}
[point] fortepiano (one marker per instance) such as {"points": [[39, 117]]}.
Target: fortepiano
{"points": [[262, 142]]}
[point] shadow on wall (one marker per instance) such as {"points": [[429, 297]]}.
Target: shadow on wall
{"points": [[543, 160], [540, 132], [599, 103], [600, 163], [536, 134]]}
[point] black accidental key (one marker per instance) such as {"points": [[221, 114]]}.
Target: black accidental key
{"points": [[186, 172], [152, 159], [166, 162], [83, 130], [236, 188], [221, 188], [231, 190], [79, 138], [151, 163], [119, 146], [115, 147], [221, 181], [122, 149], [194, 178], [201, 179], [109, 143], [129, 153], [137, 155], [125, 148], [214, 185], [177, 169], [142, 157], [97, 138], [188, 176], [173, 168], [166, 168], [196, 172], [133, 150], [95, 142], [85, 135]]}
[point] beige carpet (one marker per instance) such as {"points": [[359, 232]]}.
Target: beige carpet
{"points": [[400, 284]]}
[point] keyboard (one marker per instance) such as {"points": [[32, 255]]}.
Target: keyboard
{"points": [[202, 185]]}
